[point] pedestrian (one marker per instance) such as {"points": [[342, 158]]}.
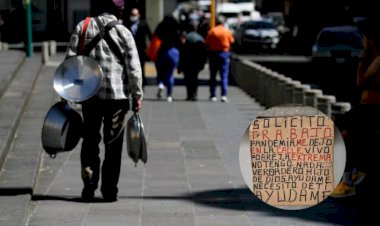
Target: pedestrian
{"points": [[142, 34], [193, 57], [204, 25], [168, 55], [107, 109], [361, 125], [218, 42]]}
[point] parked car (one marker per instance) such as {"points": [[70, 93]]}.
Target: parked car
{"points": [[257, 35], [337, 44], [233, 23], [278, 20]]}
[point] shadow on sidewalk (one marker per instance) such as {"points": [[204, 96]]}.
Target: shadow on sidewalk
{"points": [[15, 191], [340, 212], [66, 198]]}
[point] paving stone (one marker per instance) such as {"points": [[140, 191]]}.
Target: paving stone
{"points": [[192, 176]]}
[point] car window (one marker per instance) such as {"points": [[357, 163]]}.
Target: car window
{"points": [[330, 38], [229, 14], [259, 25]]}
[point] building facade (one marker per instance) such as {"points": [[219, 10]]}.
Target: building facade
{"points": [[55, 19]]}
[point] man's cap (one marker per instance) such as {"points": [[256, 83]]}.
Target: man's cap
{"points": [[118, 3]]}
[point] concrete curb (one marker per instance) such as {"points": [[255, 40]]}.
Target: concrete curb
{"points": [[9, 77], [13, 179]]}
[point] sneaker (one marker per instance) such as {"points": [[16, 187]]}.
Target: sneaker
{"points": [[343, 190], [357, 177], [213, 99], [192, 98], [169, 99], [224, 99]]}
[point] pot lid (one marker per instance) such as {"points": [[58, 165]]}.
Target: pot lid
{"points": [[78, 78]]}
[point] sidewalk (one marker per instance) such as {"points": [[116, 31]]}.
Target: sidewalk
{"points": [[192, 176]]}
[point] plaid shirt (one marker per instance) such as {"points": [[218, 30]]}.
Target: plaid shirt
{"points": [[119, 80]]}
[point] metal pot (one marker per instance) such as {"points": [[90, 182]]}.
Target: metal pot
{"points": [[61, 130], [78, 78]]}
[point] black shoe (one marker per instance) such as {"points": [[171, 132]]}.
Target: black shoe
{"points": [[110, 197], [109, 193], [88, 193], [192, 98]]}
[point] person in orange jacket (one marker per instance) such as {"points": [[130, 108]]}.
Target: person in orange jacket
{"points": [[218, 42]]}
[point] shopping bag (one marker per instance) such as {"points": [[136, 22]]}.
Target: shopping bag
{"points": [[136, 141], [153, 48]]}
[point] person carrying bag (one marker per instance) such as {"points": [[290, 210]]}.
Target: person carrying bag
{"points": [[112, 45]]}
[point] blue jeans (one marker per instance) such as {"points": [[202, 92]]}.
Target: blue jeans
{"points": [[219, 62], [166, 63]]}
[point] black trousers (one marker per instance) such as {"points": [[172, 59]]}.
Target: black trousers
{"points": [[191, 82], [110, 114]]}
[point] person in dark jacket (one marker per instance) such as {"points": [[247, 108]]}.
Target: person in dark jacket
{"points": [[141, 33], [168, 55], [193, 57]]}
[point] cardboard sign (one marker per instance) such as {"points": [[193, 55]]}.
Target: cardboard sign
{"points": [[292, 159]]}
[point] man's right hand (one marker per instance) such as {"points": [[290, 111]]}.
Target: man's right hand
{"points": [[136, 105]]}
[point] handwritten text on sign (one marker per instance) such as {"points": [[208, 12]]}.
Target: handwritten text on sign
{"points": [[292, 159]]}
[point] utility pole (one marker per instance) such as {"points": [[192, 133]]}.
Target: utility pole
{"points": [[29, 41], [212, 13]]}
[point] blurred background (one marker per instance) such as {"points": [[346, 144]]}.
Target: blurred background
{"points": [[316, 42], [294, 19]]}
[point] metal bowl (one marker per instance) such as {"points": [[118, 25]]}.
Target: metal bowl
{"points": [[61, 130], [78, 78]]}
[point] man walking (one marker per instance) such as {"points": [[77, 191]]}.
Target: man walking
{"points": [[122, 77], [193, 57], [218, 42], [141, 33]]}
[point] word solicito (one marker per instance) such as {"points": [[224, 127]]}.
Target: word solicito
{"points": [[292, 159]]}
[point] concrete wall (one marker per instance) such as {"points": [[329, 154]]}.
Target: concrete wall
{"points": [[154, 12], [157, 9]]}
